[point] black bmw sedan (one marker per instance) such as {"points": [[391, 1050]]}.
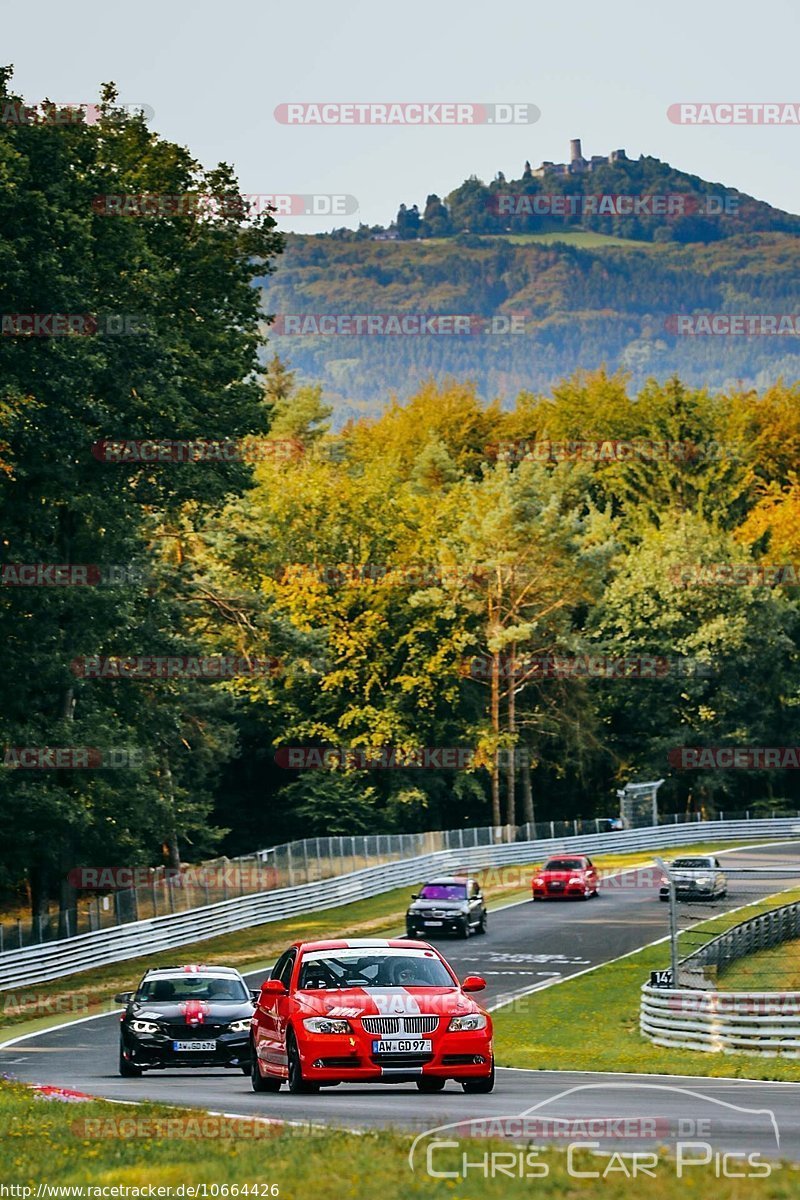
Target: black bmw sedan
{"points": [[186, 1017]]}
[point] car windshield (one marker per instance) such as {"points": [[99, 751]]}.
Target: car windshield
{"points": [[444, 891], [703, 864], [334, 969], [176, 989], [565, 864]]}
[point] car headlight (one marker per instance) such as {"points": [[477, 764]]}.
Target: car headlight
{"points": [[240, 1026], [464, 1024], [705, 880], [144, 1027], [576, 879], [326, 1025]]}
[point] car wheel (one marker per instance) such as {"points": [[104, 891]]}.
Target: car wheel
{"points": [[411, 933], [664, 898], [127, 1069], [430, 1085], [482, 924], [463, 928], [535, 896], [297, 1084], [479, 1086], [257, 1081], [245, 1070]]}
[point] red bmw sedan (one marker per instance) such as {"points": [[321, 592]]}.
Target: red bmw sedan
{"points": [[371, 1011]]}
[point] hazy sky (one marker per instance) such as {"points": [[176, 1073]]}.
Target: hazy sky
{"points": [[214, 73]]}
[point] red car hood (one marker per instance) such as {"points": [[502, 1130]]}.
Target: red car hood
{"points": [[384, 1001]]}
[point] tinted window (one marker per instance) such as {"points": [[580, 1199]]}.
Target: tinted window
{"points": [[334, 969], [693, 863], [176, 989], [283, 967], [565, 864], [444, 891]]}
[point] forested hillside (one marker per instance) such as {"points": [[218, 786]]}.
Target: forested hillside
{"points": [[575, 308]]}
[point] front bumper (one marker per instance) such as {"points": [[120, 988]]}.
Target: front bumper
{"points": [[155, 1051], [568, 892], [688, 891], [348, 1058], [443, 923]]}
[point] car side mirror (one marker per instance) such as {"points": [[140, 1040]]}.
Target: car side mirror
{"points": [[273, 987], [254, 996], [415, 895], [473, 983], [123, 997]]}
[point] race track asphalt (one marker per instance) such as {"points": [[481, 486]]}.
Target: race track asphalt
{"points": [[527, 946]]}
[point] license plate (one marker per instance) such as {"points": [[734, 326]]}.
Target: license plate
{"points": [[401, 1047], [433, 922], [181, 1046]]}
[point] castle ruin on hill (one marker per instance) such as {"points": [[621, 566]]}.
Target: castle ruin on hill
{"points": [[577, 164]]}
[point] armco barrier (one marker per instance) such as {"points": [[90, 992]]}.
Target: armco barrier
{"points": [[52, 960], [729, 1022], [722, 1022]]}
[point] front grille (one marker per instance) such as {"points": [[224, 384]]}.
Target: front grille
{"points": [[186, 1033], [402, 1060], [385, 1025]]}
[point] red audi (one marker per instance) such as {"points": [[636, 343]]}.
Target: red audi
{"points": [[574, 876], [371, 1011]]}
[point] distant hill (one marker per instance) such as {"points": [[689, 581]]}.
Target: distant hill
{"points": [[643, 199], [577, 308]]}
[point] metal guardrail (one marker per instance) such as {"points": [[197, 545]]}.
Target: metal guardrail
{"points": [[697, 1018], [55, 959]]}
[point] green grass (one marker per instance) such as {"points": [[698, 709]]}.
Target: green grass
{"points": [[573, 237], [256, 948], [539, 1031], [49, 1142], [775, 970]]}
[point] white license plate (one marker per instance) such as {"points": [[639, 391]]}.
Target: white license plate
{"points": [[433, 922], [401, 1047], [181, 1046]]}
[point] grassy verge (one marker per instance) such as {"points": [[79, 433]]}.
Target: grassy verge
{"points": [[45, 1142], [31, 1009], [538, 1031], [775, 970]]}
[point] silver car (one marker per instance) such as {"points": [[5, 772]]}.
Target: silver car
{"points": [[697, 877]]}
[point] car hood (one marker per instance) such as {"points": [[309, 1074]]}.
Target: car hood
{"points": [[193, 1012], [384, 1002], [440, 905], [693, 872]]}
